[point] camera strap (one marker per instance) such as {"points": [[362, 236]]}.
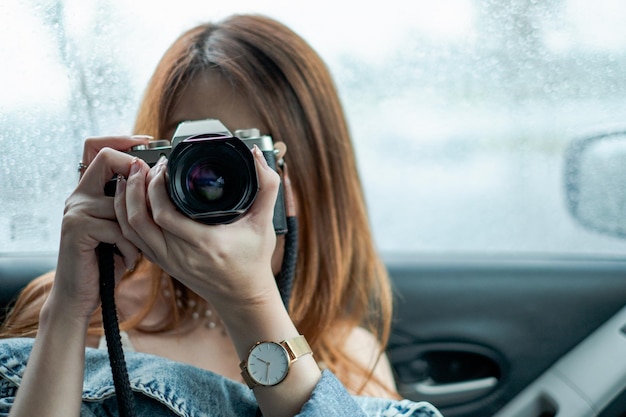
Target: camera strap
{"points": [[284, 279], [110, 322], [121, 382]]}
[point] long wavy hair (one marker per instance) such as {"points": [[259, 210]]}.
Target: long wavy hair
{"points": [[340, 281]]}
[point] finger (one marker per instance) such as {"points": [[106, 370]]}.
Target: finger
{"points": [[156, 168], [133, 215], [164, 213], [98, 207], [269, 181], [130, 255], [121, 214], [93, 145], [107, 163], [108, 231]]}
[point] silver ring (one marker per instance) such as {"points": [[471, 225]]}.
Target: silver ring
{"points": [[82, 167]]}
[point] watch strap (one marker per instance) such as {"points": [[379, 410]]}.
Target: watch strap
{"points": [[296, 347], [251, 383]]}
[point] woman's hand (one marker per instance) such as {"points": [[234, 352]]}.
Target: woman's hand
{"points": [[228, 263], [89, 218]]}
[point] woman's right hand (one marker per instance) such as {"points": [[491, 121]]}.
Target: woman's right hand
{"points": [[89, 218]]}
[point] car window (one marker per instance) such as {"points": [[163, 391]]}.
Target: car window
{"points": [[461, 110]]}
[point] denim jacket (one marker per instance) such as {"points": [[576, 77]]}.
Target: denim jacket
{"points": [[166, 388]]}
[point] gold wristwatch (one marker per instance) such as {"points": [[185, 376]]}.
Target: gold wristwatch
{"points": [[268, 363]]}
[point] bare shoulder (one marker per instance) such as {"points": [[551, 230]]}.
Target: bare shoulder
{"points": [[363, 347], [362, 342]]}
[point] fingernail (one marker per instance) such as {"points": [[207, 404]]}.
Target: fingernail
{"points": [[260, 157], [134, 167], [160, 165], [132, 267], [134, 264], [121, 185], [162, 160], [142, 137]]}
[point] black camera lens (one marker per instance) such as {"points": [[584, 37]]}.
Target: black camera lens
{"points": [[206, 182], [218, 181], [212, 180]]}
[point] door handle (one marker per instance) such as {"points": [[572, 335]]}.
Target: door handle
{"points": [[446, 374], [444, 394]]}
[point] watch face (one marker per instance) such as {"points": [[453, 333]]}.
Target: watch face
{"points": [[268, 363]]}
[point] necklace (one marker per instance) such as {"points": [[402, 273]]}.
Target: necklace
{"points": [[200, 311]]}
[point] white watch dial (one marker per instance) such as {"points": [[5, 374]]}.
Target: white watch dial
{"points": [[268, 363]]}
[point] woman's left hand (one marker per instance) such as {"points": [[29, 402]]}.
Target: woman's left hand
{"points": [[227, 263]]}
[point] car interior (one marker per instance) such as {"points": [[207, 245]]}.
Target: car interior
{"points": [[516, 337], [491, 143], [524, 337]]}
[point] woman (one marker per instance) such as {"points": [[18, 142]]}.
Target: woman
{"points": [[247, 71]]}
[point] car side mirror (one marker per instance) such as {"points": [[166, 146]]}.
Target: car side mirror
{"points": [[595, 181]]}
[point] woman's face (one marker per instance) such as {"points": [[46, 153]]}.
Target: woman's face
{"points": [[210, 96]]}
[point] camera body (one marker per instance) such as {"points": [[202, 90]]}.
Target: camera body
{"points": [[211, 175]]}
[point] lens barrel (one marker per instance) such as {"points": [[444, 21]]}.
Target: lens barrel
{"points": [[212, 179]]}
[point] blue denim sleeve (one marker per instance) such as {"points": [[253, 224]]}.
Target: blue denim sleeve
{"points": [[330, 398]]}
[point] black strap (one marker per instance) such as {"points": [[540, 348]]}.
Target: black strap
{"points": [[284, 279], [124, 394]]}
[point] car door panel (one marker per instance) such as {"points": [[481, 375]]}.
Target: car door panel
{"points": [[471, 333], [17, 270], [582, 383]]}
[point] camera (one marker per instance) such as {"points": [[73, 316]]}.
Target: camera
{"points": [[211, 176]]}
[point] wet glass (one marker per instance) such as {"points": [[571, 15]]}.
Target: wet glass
{"points": [[461, 111]]}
